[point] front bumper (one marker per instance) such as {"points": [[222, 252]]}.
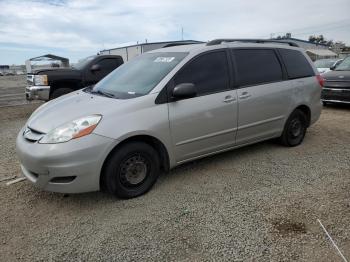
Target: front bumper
{"points": [[71, 167], [38, 93], [336, 95]]}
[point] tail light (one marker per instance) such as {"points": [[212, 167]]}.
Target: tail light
{"points": [[320, 80]]}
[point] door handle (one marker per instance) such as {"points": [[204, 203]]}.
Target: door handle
{"points": [[229, 99], [245, 95]]}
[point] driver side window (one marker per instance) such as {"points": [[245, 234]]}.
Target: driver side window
{"points": [[209, 73]]}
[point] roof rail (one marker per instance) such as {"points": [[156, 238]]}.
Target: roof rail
{"points": [[223, 40]]}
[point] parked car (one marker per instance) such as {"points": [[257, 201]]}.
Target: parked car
{"points": [[325, 65], [167, 107], [337, 84], [47, 84]]}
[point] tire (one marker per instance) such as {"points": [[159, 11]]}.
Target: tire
{"points": [[324, 103], [131, 170], [294, 129], [60, 92]]}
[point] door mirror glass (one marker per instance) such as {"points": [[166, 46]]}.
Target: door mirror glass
{"points": [[95, 67], [184, 90]]}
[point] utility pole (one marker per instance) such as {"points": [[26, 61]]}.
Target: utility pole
{"points": [[182, 33]]}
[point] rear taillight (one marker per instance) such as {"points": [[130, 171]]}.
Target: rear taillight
{"points": [[320, 80]]}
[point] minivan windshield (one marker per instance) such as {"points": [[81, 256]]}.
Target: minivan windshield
{"points": [[138, 76], [344, 66]]}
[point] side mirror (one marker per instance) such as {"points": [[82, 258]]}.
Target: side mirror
{"points": [[333, 67], [95, 67], [184, 90]]}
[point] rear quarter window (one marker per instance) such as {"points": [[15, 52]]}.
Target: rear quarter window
{"points": [[296, 64]]}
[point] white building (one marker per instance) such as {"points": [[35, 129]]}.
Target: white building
{"points": [[128, 52], [314, 50]]}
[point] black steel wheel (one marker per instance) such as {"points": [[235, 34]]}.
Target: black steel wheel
{"points": [[294, 129], [131, 170]]}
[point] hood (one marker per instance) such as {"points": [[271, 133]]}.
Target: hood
{"points": [[54, 71], [70, 107], [337, 75]]}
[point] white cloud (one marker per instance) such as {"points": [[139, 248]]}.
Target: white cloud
{"points": [[79, 25]]}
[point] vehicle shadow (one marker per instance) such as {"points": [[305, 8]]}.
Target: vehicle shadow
{"points": [[337, 106], [182, 172]]}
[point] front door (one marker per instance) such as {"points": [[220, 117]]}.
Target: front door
{"points": [[205, 123]]}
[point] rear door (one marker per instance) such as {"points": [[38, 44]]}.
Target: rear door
{"points": [[207, 122], [263, 95]]}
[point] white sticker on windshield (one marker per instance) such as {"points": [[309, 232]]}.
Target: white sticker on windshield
{"points": [[164, 59]]}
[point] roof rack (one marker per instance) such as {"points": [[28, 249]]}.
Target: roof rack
{"points": [[260, 41]]}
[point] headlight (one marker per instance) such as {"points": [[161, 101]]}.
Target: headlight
{"points": [[40, 80], [71, 130]]}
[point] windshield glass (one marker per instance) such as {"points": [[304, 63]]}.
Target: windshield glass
{"points": [[82, 63], [140, 75], [344, 66], [324, 63]]}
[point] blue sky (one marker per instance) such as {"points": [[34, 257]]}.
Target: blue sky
{"points": [[78, 28]]}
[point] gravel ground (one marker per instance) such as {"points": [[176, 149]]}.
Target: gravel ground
{"points": [[258, 203], [12, 91]]}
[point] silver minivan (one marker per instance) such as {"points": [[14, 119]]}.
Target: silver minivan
{"points": [[167, 107]]}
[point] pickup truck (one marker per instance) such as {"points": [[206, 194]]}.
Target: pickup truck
{"points": [[47, 84]]}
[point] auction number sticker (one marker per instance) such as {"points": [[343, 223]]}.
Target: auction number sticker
{"points": [[164, 59]]}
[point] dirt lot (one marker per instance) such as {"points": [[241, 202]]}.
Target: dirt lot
{"points": [[259, 203], [12, 91]]}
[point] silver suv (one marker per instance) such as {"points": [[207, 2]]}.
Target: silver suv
{"points": [[167, 107]]}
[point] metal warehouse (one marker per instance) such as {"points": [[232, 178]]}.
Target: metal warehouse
{"points": [[128, 52]]}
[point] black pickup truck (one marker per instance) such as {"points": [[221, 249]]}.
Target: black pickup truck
{"points": [[47, 84]]}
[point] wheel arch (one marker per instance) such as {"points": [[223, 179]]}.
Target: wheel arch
{"points": [[307, 111], [150, 140]]}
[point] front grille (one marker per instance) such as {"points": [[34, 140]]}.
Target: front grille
{"points": [[336, 94], [30, 80], [337, 84], [32, 135]]}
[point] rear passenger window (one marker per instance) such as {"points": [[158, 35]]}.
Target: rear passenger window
{"points": [[208, 72], [257, 66], [296, 64]]}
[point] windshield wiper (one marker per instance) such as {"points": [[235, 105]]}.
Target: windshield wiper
{"points": [[105, 93], [102, 93]]}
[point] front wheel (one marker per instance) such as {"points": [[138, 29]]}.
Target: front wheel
{"points": [[131, 170], [294, 129]]}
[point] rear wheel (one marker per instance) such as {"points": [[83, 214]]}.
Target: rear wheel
{"points": [[131, 170], [60, 92], [294, 129]]}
